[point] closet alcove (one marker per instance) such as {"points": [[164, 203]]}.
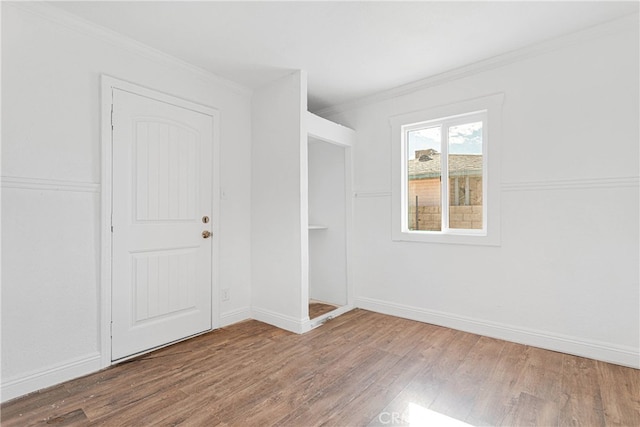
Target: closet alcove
{"points": [[301, 209], [329, 189]]}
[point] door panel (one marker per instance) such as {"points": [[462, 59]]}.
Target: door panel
{"points": [[161, 272], [163, 283], [165, 171]]}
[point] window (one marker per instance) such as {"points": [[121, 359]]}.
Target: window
{"points": [[446, 173]]}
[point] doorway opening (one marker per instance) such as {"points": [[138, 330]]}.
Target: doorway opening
{"points": [[327, 227], [159, 183]]}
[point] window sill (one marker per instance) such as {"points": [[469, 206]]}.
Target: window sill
{"points": [[479, 239]]}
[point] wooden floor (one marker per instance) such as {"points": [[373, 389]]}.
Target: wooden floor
{"points": [[359, 369], [317, 309]]}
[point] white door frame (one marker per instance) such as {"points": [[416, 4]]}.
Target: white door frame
{"points": [[332, 133], [108, 83]]}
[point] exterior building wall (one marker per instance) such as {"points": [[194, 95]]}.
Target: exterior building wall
{"points": [[474, 188], [466, 217], [427, 190], [466, 213]]}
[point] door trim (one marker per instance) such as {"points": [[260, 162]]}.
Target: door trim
{"points": [[109, 83]]}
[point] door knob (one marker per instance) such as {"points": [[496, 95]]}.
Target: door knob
{"points": [[206, 234]]}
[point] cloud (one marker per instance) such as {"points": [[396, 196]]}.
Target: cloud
{"points": [[469, 133], [465, 138]]}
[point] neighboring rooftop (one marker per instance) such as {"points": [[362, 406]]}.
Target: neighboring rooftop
{"points": [[427, 165]]}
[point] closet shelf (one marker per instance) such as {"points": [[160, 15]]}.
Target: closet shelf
{"points": [[317, 227]]}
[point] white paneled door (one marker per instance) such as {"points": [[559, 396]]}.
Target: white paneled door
{"points": [[162, 207]]}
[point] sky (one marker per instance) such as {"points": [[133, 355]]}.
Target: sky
{"points": [[463, 139]]}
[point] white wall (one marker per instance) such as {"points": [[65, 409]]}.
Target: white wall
{"points": [[51, 67], [279, 256], [566, 273], [327, 207]]}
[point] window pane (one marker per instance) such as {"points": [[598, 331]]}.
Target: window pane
{"points": [[465, 176], [424, 173]]}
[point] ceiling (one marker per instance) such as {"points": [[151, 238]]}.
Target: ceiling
{"points": [[349, 49]]}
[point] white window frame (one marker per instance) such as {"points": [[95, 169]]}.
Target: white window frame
{"points": [[490, 108]]}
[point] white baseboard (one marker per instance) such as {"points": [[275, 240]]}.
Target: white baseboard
{"points": [[235, 316], [620, 355], [606, 352], [49, 377], [318, 321], [287, 323]]}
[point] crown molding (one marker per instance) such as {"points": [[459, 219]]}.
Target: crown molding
{"points": [[78, 24], [627, 22]]}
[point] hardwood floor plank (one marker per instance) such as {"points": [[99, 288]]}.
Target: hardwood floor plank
{"points": [[620, 393], [347, 372], [579, 383], [529, 410], [458, 396], [499, 389], [438, 359], [227, 375], [295, 368], [399, 337], [34, 407], [541, 374], [270, 395], [73, 417], [367, 406], [317, 309], [143, 412], [345, 387]]}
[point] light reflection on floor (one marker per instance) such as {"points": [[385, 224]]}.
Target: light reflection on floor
{"points": [[419, 416]]}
